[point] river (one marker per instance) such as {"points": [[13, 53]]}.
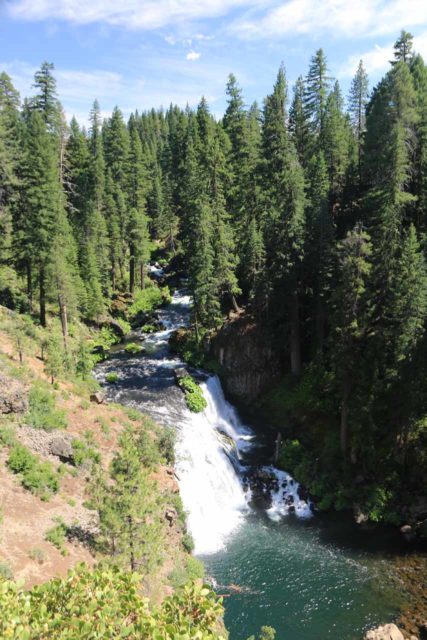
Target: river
{"points": [[275, 561]]}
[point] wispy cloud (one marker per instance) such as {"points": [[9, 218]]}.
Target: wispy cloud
{"points": [[132, 14], [340, 18], [193, 55], [377, 59]]}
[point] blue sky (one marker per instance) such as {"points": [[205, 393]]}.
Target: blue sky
{"points": [[140, 54]]}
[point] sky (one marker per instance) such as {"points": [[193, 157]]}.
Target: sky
{"points": [[140, 54]]}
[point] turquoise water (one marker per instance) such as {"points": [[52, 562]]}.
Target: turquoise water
{"points": [[297, 580]]}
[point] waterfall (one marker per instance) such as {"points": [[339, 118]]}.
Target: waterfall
{"points": [[211, 474], [217, 487]]}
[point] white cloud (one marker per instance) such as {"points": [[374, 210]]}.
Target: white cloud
{"points": [[132, 14], [377, 60], [344, 18], [193, 55]]}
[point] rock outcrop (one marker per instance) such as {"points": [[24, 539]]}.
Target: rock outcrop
{"points": [[249, 361], [13, 395], [387, 632]]}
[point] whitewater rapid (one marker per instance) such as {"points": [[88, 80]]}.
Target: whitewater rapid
{"points": [[214, 481]]}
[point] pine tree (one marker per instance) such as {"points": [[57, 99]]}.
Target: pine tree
{"points": [[46, 101], [358, 100], [403, 48], [351, 321], [316, 93], [299, 125], [284, 221]]}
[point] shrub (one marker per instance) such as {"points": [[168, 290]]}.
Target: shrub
{"points": [[38, 555], [20, 459], [166, 443], [105, 603], [148, 299], [8, 435], [111, 378], [133, 348], [188, 542], [148, 328], [57, 536], [83, 453], [38, 477], [5, 573], [42, 412], [194, 397]]}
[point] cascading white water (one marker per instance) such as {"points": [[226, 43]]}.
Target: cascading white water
{"points": [[213, 480], [211, 483]]}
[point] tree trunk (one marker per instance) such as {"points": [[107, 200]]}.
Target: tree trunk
{"points": [[295, 347], [30, 284], [142, 275], [320, 324], [113, 275], [64, 319], [42, 284], [132, 270], [131, 546], [234, 303]]}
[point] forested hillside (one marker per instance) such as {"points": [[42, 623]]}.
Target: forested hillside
{"points": [[309, 212]]}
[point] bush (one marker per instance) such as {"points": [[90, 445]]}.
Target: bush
{"points": [[8, 435], [57, 536], [38, 477], [166, 443], [148, 328], [105, 603], [194, 397], [111, 378], [38, 555], [42, 412], [20, 459], [5, 573], [133, 348], [188, 542], [148, 299], [83, 453]]}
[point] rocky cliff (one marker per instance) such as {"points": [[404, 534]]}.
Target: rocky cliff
{"points": [[249, 360]]}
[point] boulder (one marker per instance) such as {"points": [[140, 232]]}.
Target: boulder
{"points": [[387, 632], [171, 516], [13, 395], [61, 447], [180, 372], [97, 397]]}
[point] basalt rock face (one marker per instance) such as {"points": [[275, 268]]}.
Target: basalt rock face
{"points": [[249, 362], [13, 396]]}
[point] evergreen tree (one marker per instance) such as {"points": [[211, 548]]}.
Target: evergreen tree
{"points": [[358, 100], [316, 93]]}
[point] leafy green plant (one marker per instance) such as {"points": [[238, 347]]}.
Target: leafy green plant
{"points": [[8, 435], [148, 328], [188, 542], [111, 377], [82, 453], [105, 603], [38, 477], [166, 443], [194, 397], [148, 299], [57, 536], [43, 413], [133, 348]]}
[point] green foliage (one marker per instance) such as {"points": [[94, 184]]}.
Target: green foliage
{"points": [[43, 413], [6, 572], [111, 377], [133, 348], [67, 607], [185, 571], [166, 444], [38, 477], [57, 536], [194, 397], [84, 454], [146, 300], [188, 542], [8, 435]]}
